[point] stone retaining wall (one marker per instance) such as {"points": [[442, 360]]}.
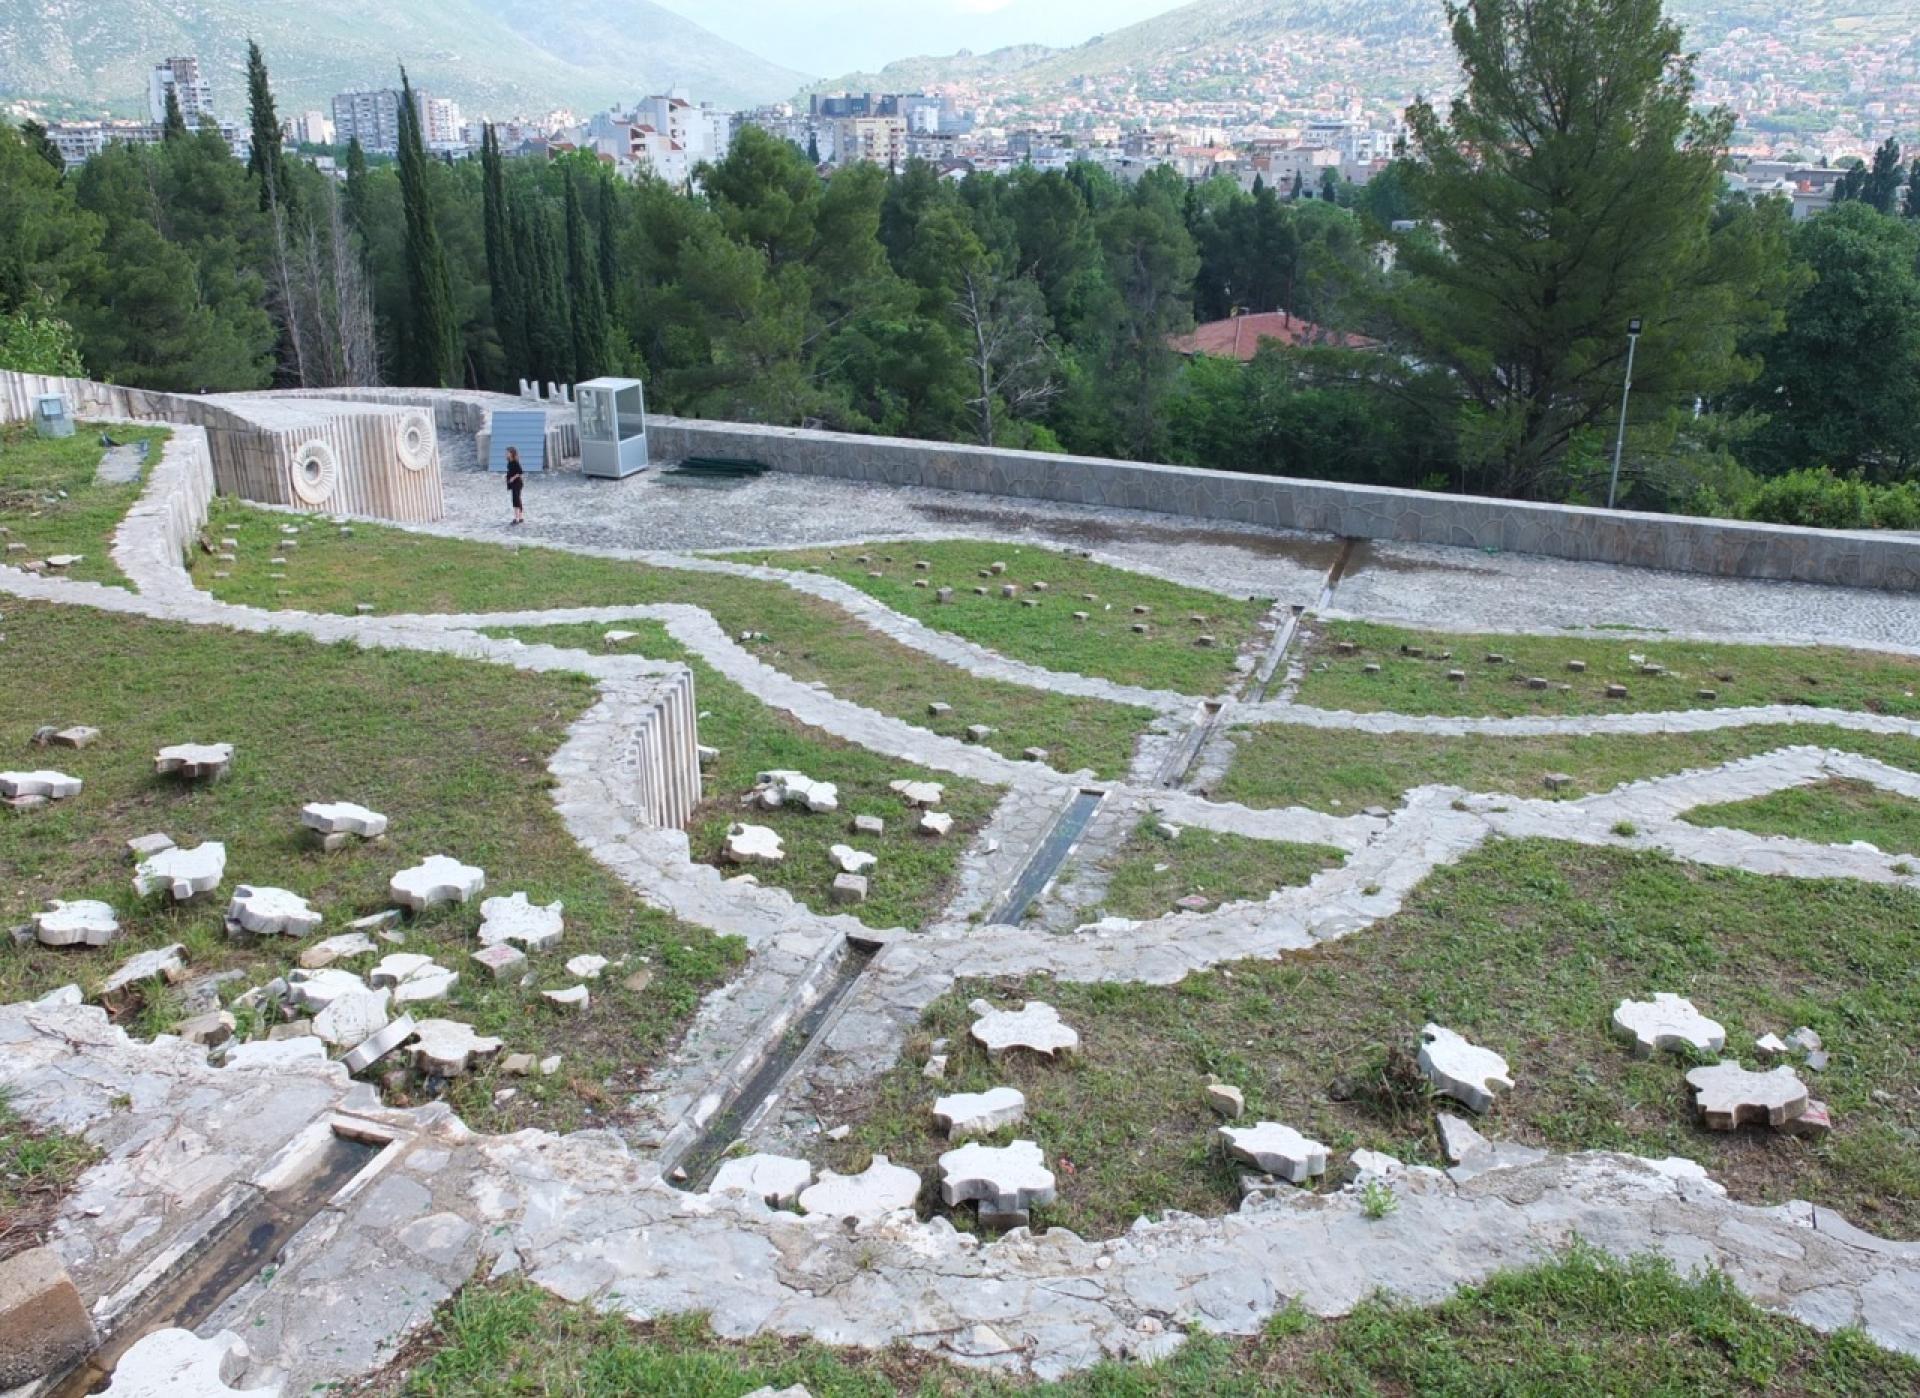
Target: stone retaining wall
{"points": [[1723, 548]]}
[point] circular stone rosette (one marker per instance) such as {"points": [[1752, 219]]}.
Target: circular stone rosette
{"points": [[415, 440], [314, 473]]}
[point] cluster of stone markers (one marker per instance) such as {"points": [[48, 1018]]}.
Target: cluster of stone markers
{"points": [[15, 552], [321, 1006], [1648, 668], [1004, 1183], [760, 844]]}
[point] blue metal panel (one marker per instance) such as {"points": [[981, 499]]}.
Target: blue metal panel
{"points": [[525, 430]]}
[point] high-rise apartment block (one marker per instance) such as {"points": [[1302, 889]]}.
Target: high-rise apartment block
{"points": [[190, 88]]}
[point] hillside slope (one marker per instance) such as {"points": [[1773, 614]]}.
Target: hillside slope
{"points": [[500, 57]]}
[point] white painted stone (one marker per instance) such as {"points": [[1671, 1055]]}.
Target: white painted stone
{"points": [[267, 912], [343, 818], [1458, 1138], [53, 786], [178, 1364], [316, 990], [777, 1179], [83, 922], [1770, 1045], [1804, 1038], [869, 825], [1036, 1026], [935, 823], [964, 1114], [146, 846], [1666, 1022], [183, 873], [323, 954], [1279, 1150], [63, 560], [587, 968], [1728, 1096], [162, 963], [617, 638], [880, 1189], [849, 888], [414, 979], [1005, 1180], [851, 860], [532, 925], [447, 1048], [351, 1019], [503, 961], [438, 879], [379, 1044], [1226, 1100], [786, 788], [1464, 1071], [753, 844], [194, 762], [918, 793], [79, 736], [574, 997]]}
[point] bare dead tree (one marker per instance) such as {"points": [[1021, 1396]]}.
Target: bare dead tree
{"points": [[288, 295], [1014, 361], [354, 324]]}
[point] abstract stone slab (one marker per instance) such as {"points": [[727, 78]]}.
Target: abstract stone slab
{"points": [[935, 823], [352, 1018], [1007, 1179], [753, 844], [343, 818], [319, 989], [514, 919], [146, 846], [413, 978], [272, 911], [849, 888], [1464, 1071], [44, 1325], [51, 786], [587, 968], [574, 997], [179, 1364], [778, 1179], [436, 880], [79, 736], [1279, 1150], [1036, 1026], [208, 1030], [918, 793], [851, 860], [183, 873], [1729, 1096], [194, 762], [504, 960], [964, 1114], [323, 954], [379, 1044], [783, 788], [880, 1189], [168, 962], [84, 922], [1666, 1022], [447, 1047]]}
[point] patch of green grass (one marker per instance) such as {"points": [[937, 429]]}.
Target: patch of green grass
{"points": [[1583, 1324], [805, 637], [1166, 657], [1150, 872], [910, 883], [453, 751], [1739, 676], [1283, 764], [1525, 947], [37, 1169], [35, 470], [1831, 812]]}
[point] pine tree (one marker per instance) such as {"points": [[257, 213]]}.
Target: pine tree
{"points": [[503, 268], [1881, 187], [434, 332], [588, 302], [266, 162], [35, 135], [176, 123]]}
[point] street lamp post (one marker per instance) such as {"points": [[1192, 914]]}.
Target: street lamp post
{"points": [[1620, 441]]}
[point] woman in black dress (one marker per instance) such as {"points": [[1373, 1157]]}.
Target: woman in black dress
{"points": [[516, 478]]}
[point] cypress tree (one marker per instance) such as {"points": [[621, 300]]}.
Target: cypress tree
{"points": [[503, 268], [589, 303], [176, 123], [356, 199], [813, 147], [544, 292], [609, 253], [266, 162], [434, 339]]}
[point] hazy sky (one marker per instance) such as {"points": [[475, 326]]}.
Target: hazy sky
{"points": [[828, 37]]}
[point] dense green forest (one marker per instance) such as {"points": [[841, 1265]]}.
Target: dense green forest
{"points": [[1778, 375]]}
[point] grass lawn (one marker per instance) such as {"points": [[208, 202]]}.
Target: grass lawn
{"points": [[1332, 769], [1738, 675], [35, 470], [1583, 1325], [1104, 645], [453, 751], [1150, 872], [1525, 947], [1832, 812], [36, 1170], [910, 883], [804, 637]]}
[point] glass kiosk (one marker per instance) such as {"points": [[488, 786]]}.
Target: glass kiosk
{"points": [[613, 427]]}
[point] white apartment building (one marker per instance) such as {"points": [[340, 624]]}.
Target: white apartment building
{"points": [[190, 88], [373, 118]]}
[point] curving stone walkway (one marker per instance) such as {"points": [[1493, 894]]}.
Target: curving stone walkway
{"points": [[585, 1217]]}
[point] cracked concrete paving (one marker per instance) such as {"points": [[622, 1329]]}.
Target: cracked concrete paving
{"points": [[589, 1219]]}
